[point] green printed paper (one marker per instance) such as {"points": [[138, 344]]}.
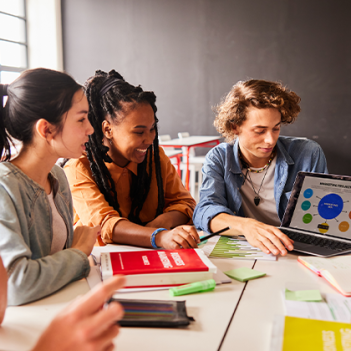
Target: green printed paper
{"points": [[303, 295], [244, 274], [313, 335], [227, 247]]}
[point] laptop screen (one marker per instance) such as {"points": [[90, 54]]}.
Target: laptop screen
{"points": [[320, 203]]}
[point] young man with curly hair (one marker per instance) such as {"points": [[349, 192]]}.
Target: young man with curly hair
{"points": [[247, 180]]}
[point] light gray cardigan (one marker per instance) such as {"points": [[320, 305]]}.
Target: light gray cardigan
{"points": [[26, 236]]}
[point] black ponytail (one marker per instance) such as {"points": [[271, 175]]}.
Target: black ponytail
{"points": [[5, 143], [36, 94]]}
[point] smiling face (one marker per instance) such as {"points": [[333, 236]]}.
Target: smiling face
{"points": [[129, 139], [258, 135], [70, 142]]}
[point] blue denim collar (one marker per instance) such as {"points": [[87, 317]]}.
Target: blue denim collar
{"points": [[282, 156]]}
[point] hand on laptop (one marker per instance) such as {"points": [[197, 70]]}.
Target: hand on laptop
{"points": [[266, 237]]}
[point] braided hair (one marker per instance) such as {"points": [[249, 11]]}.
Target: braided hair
{"points": [[106, 94]]}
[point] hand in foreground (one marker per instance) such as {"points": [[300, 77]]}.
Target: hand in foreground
{"points": [[184, 236], [266, 237], [84, 238], [84, 324]]}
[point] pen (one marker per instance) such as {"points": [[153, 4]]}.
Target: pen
{"points": [[94, 259], [213, 234]]}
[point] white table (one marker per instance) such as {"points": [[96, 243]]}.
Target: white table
{"points": [[188, 143], [212, 312], [237, 316], [262, 300]]}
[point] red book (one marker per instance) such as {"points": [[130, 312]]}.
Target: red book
{"points": [[154, 268]]}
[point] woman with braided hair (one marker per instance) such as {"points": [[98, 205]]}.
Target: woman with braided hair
{"points": [[125, 182]]}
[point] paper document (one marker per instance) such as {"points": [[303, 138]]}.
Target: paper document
{"points": [[301, 334], [334, 307], [336, 270], [226, 247]]}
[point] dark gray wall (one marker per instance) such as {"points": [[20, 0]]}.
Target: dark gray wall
{"points": [[190, 53]]}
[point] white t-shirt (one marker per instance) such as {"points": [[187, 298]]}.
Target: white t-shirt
{"points": [[59, 237], [266, 211]]}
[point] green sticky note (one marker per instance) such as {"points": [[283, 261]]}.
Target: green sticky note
{"points": [[244, 274], [303, 295]]}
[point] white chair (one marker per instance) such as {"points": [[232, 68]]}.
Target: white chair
{"points": [[192, 157], [164, 137], [195, 166], [168, 150]]}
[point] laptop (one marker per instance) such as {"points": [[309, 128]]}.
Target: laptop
{"points": [[318, 214]]}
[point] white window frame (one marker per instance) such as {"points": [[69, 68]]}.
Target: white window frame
{"points": [[44, 30], [25, 43]]}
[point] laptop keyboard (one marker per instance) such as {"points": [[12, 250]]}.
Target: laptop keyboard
{"points": [[317, 241]]}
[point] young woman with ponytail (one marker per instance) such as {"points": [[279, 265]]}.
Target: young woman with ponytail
{"points": [[125, 182], [47, 112]]}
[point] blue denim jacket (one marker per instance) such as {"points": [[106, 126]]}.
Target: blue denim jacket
{"points": [[222, 177], [26, 236]]}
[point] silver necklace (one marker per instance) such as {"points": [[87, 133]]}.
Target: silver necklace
{"points": [[257, 198]]}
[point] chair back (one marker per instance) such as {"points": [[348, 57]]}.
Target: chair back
{"points": [[182, 135], [165, 137]]}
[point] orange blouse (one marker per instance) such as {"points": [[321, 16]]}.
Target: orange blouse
{"points": [[92, 209]]}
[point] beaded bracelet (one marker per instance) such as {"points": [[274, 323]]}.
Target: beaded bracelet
{"points": [[153, 237]]}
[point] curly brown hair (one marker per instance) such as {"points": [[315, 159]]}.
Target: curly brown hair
{"points": [[257, 93]]}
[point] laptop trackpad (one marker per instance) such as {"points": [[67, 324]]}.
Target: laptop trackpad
{"points": [[314, 250]]}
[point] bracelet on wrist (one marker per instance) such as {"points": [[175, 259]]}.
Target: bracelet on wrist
{"points": [[153, 237]]}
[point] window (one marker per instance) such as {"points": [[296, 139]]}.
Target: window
{"points": [[13, 39]]}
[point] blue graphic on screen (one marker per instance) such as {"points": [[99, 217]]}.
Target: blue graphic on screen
{"points": [[330, 206], [308, 193]]}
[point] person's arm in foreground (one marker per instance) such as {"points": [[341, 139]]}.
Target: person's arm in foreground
{"points": [[85, 324]]}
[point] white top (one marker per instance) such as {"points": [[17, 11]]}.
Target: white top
{"points": [[59, 237], [266, 211]]}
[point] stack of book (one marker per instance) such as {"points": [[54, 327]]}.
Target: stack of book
{"points": [[158, 268]]}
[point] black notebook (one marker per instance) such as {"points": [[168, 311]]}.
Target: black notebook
{"points": [[153, 313], [318, 214]]}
